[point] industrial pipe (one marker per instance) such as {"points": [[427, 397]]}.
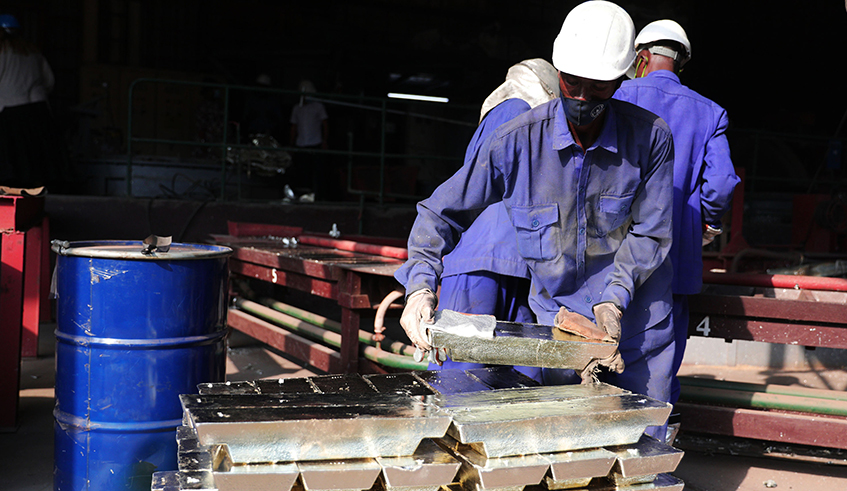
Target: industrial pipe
{"points": [[777, 281], [333, 339], [335, 326], [764, 388], [379, 318], [760, 400], [349, 245]]}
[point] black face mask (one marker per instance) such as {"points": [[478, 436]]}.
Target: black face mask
{"points": [[580, 112]]}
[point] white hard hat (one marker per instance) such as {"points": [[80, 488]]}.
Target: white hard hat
{"points": [[662, 30], [596, 42]]}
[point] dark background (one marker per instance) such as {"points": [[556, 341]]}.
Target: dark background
{"points": [[775, 66]]}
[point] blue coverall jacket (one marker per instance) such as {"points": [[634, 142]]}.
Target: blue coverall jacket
{"points": [[703, 175], [592, 226], [704, 181]]}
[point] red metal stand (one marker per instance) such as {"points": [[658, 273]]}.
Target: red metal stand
{"points": [[11, 301], [21, 255], [330, 269], [792, 310]]}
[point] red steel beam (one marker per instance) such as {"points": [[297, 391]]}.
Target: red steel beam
{"points": [[11, 304], [776, 426], [349, 245], [767, 331], [771, 308], [321, 288], [245, 229], [315, 354], [777, 281], [274, 259], [31, 310]]}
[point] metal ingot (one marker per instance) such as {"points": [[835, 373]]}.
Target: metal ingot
{"points": [[503, 377], [342, 384], [550, 419], [200, 459], [301, 427], [451, 381], [339, 475], [258, 477], [480, 473], [531, 345], [663, 482], [575, 469], [186, 440], [399, 382], [642, 461], [429, 468], [227, 388], [183, 480], [286, 386]]}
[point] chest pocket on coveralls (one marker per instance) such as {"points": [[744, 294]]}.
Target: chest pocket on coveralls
{"points": [[612, 211], [536, 231]]}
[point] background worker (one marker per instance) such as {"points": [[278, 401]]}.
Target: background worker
{"points": [[310, 131], [587, 183], [704, 177], [484, 274], [32, 153]]}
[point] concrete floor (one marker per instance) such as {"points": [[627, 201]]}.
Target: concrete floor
{"points": [[26, 456]]}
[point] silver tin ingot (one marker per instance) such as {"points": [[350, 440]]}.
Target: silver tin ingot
{"points": [[532, 345], [663, 482], [575, 469], [339, 475], [642, 461], [502, 377], [259, 477], [521, 396], [165, 481], [183, 480], [557, 425], [451, 381], [374, 426], [227, 387], [399, 382], [429, 468], [504, 473]]}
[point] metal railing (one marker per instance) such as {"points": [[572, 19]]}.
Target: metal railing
{"points": [[228, 144], [775, 162]]}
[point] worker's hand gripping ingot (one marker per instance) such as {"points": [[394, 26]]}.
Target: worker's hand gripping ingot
{"points": [[420, 308], [607, 315], [607, 328]]}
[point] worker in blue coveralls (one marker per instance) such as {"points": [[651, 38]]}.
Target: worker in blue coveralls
{"points": [[587, 182], [484, 274], [704, 177]]}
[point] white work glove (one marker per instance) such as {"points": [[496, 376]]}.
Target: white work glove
{"points": [[607, 316], [709, 234], [420, 308]]}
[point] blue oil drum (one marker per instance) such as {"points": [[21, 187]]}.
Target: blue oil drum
{"points": [[134, 331]]}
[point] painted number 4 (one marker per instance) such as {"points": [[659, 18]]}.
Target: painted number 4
{"points": [[703, 326]]}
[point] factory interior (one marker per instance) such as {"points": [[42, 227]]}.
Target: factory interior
{"points": [[174, 139]]}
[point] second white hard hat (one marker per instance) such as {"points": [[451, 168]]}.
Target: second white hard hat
{"points": [[596, 41], [661, 30]]}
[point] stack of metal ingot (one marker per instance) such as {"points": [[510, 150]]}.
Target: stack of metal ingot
{"points": [[481, 429]]}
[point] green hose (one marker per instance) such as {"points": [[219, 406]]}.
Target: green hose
{"points": [[317, 333], [334, 326], [766, 388], [762, 400]]}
